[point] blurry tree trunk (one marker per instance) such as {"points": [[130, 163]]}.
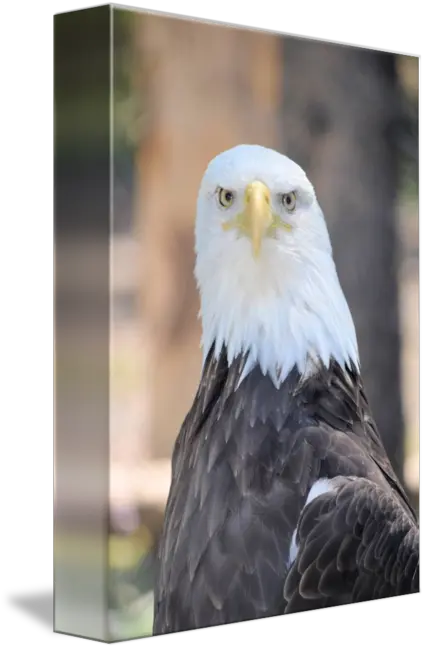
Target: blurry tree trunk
{"points": [[206, 88], [339, 115]]}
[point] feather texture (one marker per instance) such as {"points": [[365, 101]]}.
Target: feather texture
{"points": [[243, 466]]}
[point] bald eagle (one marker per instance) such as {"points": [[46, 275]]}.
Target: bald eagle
{"points": [[282, 497]]}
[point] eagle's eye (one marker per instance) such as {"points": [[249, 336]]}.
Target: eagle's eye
{"points": [[289, 201], [225, 197]]}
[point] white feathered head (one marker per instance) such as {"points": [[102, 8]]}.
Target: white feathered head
{"points": [[264, 266]]}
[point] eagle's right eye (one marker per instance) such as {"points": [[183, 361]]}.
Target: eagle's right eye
{"points": [[225, 197]]}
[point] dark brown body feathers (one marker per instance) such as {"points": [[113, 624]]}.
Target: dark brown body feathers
{"points": [[243, 465]]}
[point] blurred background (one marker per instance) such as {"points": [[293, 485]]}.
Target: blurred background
{"points": [[183, 92]]}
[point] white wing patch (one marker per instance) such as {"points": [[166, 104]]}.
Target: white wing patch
{"points": [[293, 549], [321, 486]]}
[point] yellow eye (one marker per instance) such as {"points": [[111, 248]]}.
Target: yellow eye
{"points": [[225, 197], [289, 201]]}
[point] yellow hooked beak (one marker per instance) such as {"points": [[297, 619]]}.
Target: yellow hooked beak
{"points": [[257, 220]]}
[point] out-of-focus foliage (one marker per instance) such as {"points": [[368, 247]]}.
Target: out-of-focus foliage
{"points": [[407, 131], [79, 89], [128, 99], [131, 580]]}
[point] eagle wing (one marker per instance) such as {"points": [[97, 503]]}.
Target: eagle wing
{"points": [[355, 542]]}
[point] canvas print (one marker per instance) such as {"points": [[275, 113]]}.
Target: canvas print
{"points": [[248, 202]]}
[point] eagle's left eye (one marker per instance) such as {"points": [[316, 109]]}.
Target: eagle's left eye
{"points": [[289, 201], [225, 197]]}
